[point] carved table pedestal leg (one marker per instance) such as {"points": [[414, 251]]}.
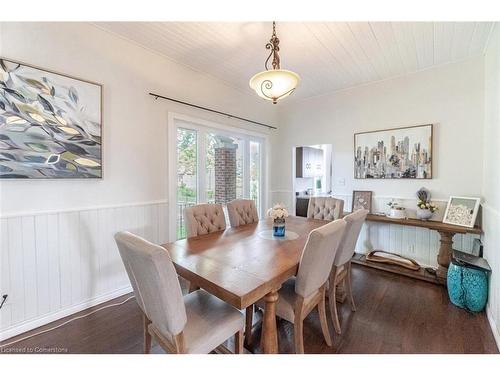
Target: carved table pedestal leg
{"points": [[444, 255], [269, 339]]}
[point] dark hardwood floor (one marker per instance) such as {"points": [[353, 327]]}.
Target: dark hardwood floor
{"points": [[395, 314]]}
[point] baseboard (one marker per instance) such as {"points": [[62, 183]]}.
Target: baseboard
{"points": [[494, 327], [45, 319]]}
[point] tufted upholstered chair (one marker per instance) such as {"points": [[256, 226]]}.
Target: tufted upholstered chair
{"points": [[325, 208], [241, 212], [204, 219], [342, 263], [299, 295], [196, 323]]}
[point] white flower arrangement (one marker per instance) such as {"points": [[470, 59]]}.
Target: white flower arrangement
{"points": [[427, 206], [278, 211]]}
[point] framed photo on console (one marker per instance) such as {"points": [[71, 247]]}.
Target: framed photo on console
{"points": [[462, 211], [361, 199]]}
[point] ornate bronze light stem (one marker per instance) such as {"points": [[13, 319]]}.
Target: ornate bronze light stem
{"points": [[273, 45]]}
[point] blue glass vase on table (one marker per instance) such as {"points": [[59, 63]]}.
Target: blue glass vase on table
{"points": [[278, 213]]}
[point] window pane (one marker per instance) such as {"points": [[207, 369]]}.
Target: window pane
{"points": [[187, 175], [210, 167], [255, 173], [239, 169]]}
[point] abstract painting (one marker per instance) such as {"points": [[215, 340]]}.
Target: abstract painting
{"points": [[50, 124], [462, 211], [394, 153], [361, 200]]}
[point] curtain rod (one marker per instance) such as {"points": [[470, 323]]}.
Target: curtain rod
{"points": [[157, 96]]}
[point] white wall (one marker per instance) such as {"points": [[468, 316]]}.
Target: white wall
{"points": [[52, 227], [135, 131], [491, 178], [450, 96]]}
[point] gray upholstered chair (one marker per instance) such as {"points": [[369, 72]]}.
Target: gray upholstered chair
{"points": [[204, 219], [196, 323], [299, 295], [241, 212], [325, 208], [341, 269]]}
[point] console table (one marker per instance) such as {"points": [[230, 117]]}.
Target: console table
{"points": [[446, 231]]}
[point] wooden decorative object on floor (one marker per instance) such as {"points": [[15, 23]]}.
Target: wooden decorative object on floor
{"points": [[380, 256], [446, 231]]}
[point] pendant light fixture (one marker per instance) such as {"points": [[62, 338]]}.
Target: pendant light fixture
{"points": [[276, 83]]}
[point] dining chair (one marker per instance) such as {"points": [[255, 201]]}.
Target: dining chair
{"points": [[204, 219], [325, 208], [197, 323], [341, 269], [299, 295], [241, 212]]}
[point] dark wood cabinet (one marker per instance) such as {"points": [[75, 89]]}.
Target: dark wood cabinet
{"points": [[301, 205]]}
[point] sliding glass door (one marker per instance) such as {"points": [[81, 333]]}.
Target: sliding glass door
{"points": [[216, 166], [187, 174]]}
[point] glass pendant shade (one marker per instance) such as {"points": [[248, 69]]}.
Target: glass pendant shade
{"points": [[274, 84]]}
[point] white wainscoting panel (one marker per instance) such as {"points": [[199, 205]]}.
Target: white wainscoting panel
{"points": [[57, 263], [491, 242], [420, 244]]}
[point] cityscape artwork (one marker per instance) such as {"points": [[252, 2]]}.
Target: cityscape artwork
{"points": [[394, 153], [50, 124]]}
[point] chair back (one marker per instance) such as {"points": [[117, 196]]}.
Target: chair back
{"points": [[325, 208], [204, 219], [241, 212], [347, 246], [317, 258], [155, 283]]}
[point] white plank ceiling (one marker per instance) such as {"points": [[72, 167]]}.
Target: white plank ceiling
{"points": [[329, 56]]}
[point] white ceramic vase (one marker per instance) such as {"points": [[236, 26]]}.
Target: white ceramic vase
{"points": [[424, 214]]}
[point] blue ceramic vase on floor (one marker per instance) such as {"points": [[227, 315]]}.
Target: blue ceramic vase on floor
{"points": [[467, 287]]}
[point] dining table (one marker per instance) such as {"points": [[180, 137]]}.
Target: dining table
{"points": [[244, 264]]}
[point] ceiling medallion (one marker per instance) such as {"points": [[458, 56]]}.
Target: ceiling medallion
{"points": [[277, 83]]}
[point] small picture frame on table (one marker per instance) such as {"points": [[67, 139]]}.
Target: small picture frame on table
{"points": [[361, 199], [462, 211]]}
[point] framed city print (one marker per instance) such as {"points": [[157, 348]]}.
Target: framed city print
{"points": [[400, 153]]}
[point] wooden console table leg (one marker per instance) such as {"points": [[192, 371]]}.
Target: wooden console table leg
{"points": [[444, 255], [269, 341]]}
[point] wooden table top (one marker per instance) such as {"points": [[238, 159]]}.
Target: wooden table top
{"points": [[434, 225], [239, 266]]}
